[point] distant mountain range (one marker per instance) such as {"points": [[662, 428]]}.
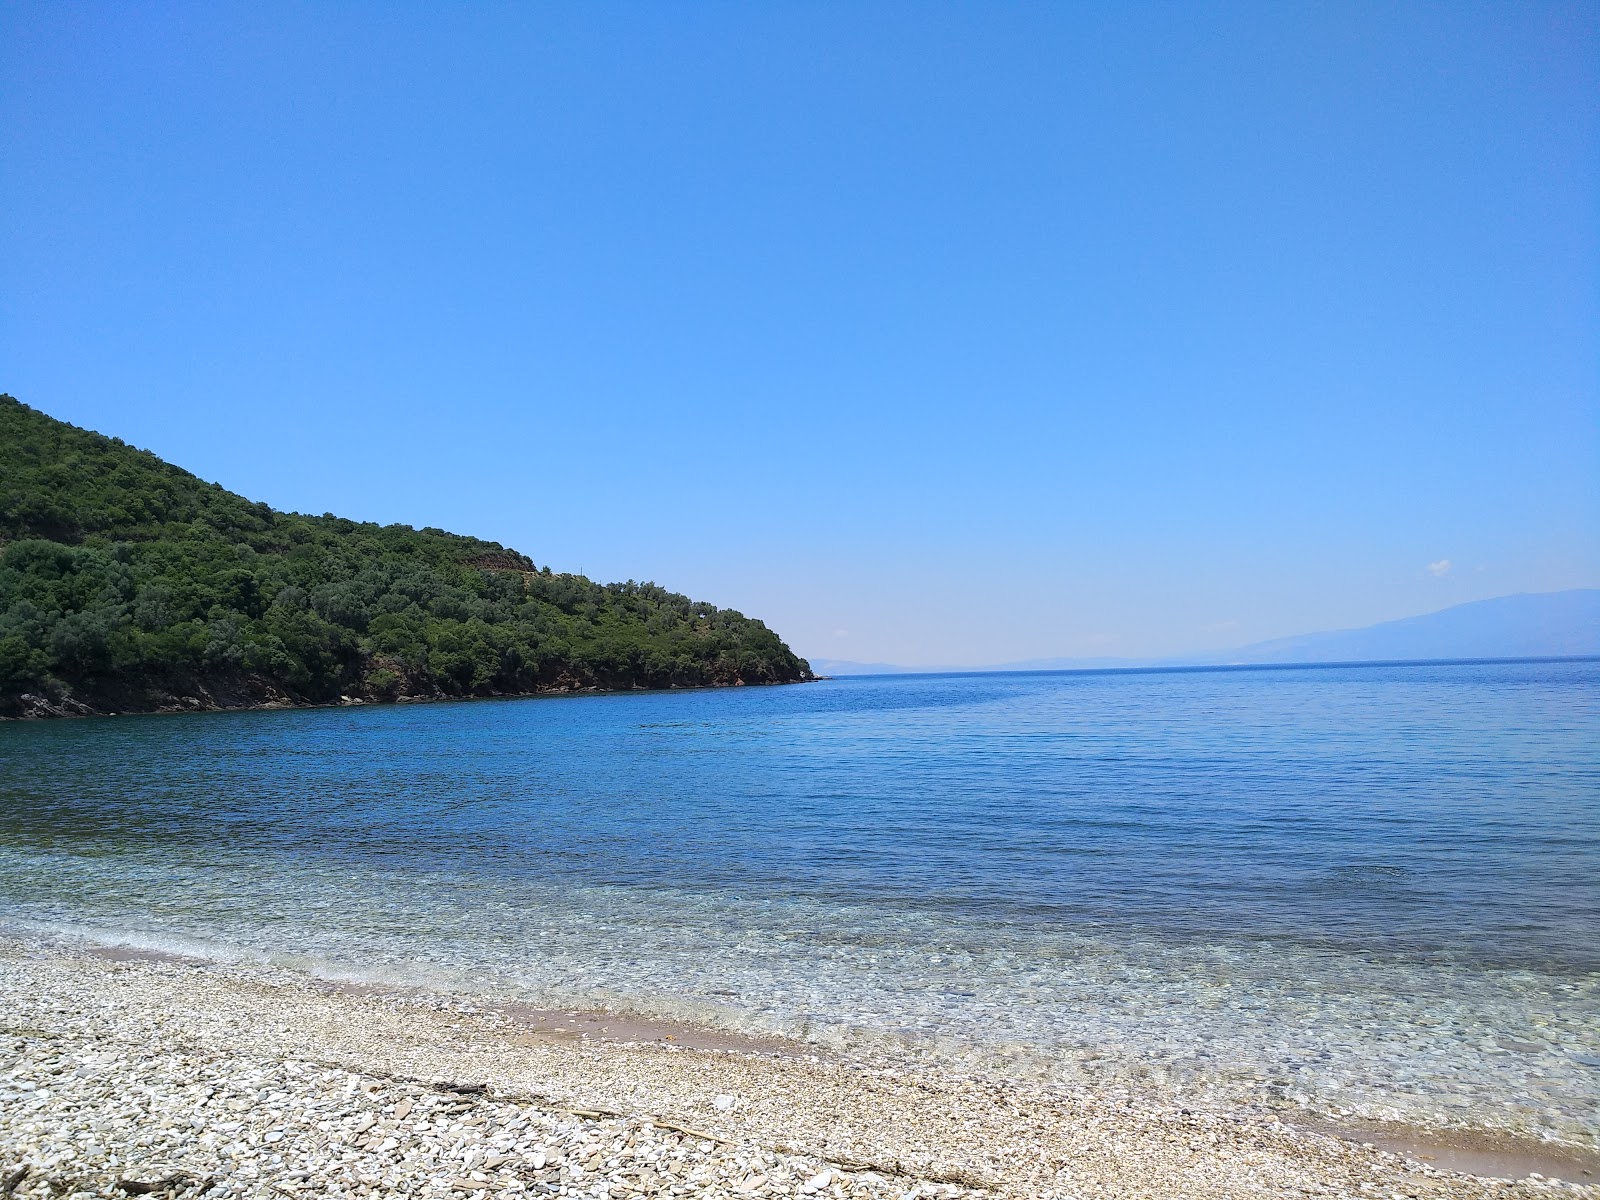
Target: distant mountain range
{"points": [[1528, 625]]}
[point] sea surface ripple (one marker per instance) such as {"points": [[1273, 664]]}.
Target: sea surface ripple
{"points": [[1364, 890]]}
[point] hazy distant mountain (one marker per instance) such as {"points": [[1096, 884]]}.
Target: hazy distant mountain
{"points": [[1073, 664], [1528, 625], [843, 666]]}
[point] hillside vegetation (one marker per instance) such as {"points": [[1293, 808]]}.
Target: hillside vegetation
{"points": [[127, 583]]}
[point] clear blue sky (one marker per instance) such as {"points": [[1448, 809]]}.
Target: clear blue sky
{"points": [[926, 332]]}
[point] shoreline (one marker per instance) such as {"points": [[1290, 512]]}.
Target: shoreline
{"points": [[882, 1129], [1112, 1037], [39, 708]]}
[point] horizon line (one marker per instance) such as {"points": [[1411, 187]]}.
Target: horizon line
{"points": [[1182, 668]]}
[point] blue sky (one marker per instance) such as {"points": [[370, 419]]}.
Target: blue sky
{"points": [[926, 332]]}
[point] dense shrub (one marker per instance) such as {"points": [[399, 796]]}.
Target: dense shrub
{"points": [[123, 575]]}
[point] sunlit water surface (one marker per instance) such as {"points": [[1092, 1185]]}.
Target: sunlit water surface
{"points": [[1367, 890]]}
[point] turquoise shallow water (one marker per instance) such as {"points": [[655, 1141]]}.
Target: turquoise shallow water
{"points": [[1365, 890]]}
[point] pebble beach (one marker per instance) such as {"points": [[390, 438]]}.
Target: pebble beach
{"points": [[129, 1077]]}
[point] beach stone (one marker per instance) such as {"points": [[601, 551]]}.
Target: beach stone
{"points": [[259, 1082]]}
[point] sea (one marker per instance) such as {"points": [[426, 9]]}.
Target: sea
{"points": [[1354, 891]]}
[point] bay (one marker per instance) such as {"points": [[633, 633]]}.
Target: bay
{"points": [[1358, 890]]}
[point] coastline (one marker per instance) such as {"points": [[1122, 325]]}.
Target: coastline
{"points": [[258, 1081], [30, 707]]}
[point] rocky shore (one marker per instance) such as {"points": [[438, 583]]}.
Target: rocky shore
{"points": [[253, 693], [147, 1077]]}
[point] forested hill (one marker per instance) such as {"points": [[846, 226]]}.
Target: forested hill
{"points": [[128, 584]]}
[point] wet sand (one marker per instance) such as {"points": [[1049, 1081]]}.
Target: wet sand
{"points": [[558, 1023]]}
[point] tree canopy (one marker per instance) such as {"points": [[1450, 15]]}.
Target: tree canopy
{"points": [[127, 583]]}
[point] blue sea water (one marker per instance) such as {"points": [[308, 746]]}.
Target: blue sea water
{"points": [[1357, 890]]}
